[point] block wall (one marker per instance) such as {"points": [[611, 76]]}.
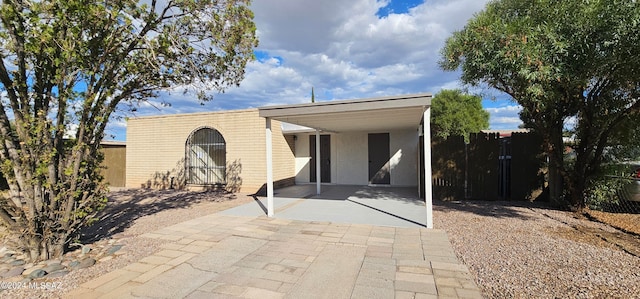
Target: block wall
{"points": [[156, 149]]}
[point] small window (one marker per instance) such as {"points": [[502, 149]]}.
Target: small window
{"points": [[206, 157]]}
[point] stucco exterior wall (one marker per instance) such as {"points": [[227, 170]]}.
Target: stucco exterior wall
{"points": [[349, 158], [156, 149], [302, 158], [404, 157], [352, 159]]}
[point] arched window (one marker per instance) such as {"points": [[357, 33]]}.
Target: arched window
{"points": [[206, 157]]}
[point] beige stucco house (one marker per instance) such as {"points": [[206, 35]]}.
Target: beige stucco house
{"points": [[376, 141]]}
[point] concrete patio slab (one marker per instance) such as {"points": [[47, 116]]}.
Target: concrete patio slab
{"points": [[382, 206]]}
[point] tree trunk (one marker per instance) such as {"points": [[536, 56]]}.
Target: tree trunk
{"points": [[34, 245], [576, 194], [556, 162], [555, 185], [42, 219], [50, 245], [577, 177]]}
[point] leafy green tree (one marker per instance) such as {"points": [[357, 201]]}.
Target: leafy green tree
{"points": [[457, 114], [559, 60], [71, 64]]}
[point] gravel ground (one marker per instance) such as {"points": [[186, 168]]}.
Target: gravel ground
{"points": [[521, 251], [529, 251], [129, 214]]}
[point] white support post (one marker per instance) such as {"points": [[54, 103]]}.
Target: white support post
{"points": [[318, 164], [269, 144], [419, 159], [428, 194]]}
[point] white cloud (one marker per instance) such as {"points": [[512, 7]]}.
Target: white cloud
{"points": [[339, 45], [343, 50], [505, 117]]}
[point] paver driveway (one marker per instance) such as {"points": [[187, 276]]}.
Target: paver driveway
{"points": [[223, 256]]}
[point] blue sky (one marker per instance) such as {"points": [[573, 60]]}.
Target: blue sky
{"points": [[344, 50]]}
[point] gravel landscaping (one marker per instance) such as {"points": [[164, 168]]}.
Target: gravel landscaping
{"points": [[530, 251], [520, 250]]}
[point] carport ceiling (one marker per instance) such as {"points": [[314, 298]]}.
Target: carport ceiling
{"points": [[375, 114]]}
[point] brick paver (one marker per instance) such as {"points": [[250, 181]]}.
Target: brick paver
{"points": [[245, 257]]}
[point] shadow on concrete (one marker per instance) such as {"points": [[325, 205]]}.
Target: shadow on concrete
{"points": [[124, 207], [264, 209], [388, 213], [345, 192], [388, 206]]}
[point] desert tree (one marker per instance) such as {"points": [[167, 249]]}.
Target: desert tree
{"points": [[67, 65], [563, 61]]}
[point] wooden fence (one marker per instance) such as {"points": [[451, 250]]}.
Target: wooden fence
{"points": [[489, 167], [115, 163]]}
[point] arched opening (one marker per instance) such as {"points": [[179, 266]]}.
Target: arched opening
{"points": [[206, 157]]}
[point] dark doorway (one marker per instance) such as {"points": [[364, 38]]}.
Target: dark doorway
{"points": [[379, 159], [325, 158]]}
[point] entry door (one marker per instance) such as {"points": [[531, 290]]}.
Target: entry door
{"points": [[379, 159], [325, 156]]}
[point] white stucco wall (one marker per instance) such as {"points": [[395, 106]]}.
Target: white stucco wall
{"points": [[349, 158], [302, 159], [352, 160], [404, 157]]}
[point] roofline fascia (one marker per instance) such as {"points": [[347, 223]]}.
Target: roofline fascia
{"points": [[345, 105]]}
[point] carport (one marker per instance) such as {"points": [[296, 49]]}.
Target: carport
{"points": [[374, 114]]}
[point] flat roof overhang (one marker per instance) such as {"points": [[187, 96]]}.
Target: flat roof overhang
{"points": [[373, 114]]}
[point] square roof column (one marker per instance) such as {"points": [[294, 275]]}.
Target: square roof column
{"points": [[269, 150], [428, 188], [318, 164]]}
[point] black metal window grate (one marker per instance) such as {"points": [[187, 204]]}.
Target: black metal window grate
{"points": [[206, 157]]}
